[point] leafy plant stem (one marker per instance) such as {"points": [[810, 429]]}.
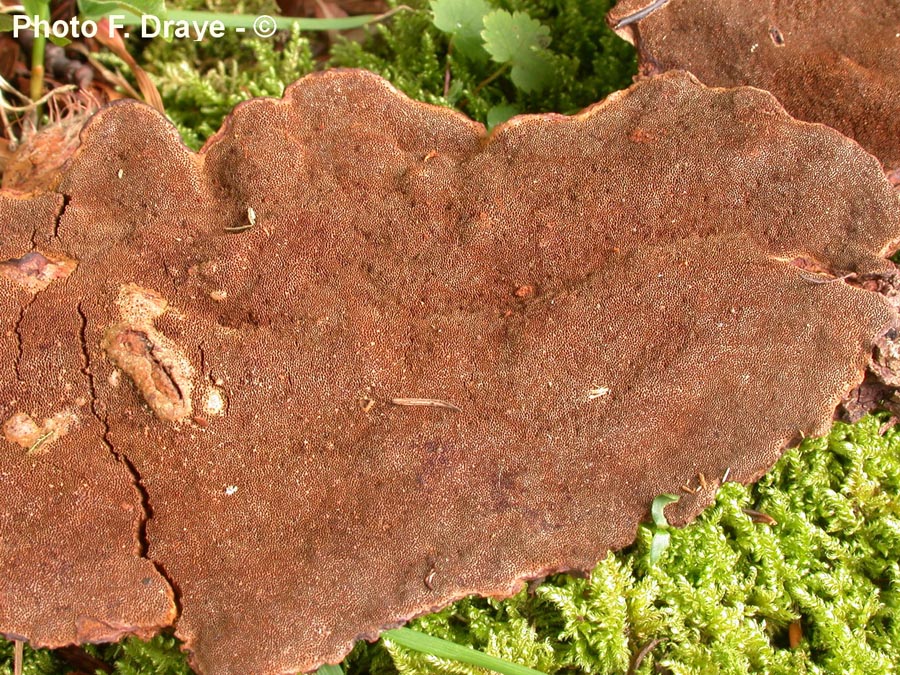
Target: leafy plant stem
{"points": [[447, 68]]}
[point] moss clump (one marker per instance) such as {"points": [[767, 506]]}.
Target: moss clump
{"points": [[35, 662], [588, 60], [722, 597], [719, 601], [159, 656], [201, 82]]}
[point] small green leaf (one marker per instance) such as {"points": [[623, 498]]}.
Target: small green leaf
{"points": [[657, 509], [658, 546], [500, 113], [508, 37], [463, 19], [96, 9], [519, 40], [60, 41], [328, 669]]}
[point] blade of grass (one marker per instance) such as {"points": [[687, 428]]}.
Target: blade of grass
{"points": [[443, 649], [661, 537], [42, 10], [657, 509]]}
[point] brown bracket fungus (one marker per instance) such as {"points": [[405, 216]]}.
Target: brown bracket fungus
{"points": [[837, 63], [350, 412]]}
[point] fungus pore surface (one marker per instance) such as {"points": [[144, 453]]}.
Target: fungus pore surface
{"points": [[837, 63], [357, 359]]}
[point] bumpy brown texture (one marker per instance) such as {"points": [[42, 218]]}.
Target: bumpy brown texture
{"points": [[837, 63], [70, 562], [616, 303]]}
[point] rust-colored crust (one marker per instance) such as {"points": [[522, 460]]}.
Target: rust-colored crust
{"points": [[575, 315], [71, 570], [837, 63]]}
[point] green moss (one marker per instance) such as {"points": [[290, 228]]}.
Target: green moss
{"points": [[201, 82], [159, 656], [721, 598], [35, 662], [589, 61], [719, 601]]}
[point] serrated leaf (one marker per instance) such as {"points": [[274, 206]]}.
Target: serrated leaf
{"points": [[533, 73], [96, 9], [657, 509], [508, 37], [499, 114], [460, 17], [519, 40], [463, 19]]}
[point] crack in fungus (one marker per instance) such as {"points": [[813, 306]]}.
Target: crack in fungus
{"points": [[146, 508], [59, 216], [17, 330], [604, 347]]}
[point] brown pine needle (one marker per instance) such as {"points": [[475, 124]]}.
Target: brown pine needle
{"points": [[426, 403], [18, 656], [795, 633], [827, 280], [640, 14]]}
